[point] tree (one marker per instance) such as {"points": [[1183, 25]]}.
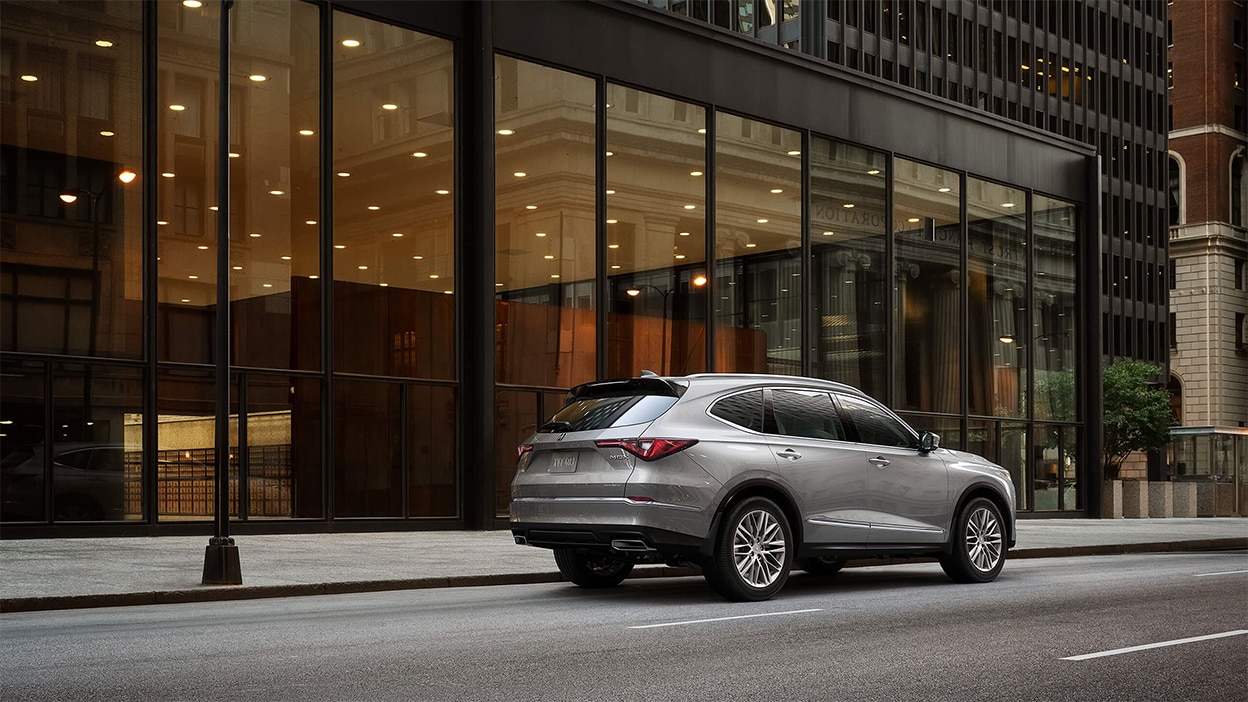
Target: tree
{"points": [[1137, 413]]}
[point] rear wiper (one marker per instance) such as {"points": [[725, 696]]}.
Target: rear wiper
{"points": [[555, 425]]}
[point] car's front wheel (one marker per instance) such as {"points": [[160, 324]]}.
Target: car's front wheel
{"points": [[977, 551], [588, 568], [752, 553]]}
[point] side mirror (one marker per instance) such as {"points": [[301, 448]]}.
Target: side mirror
{"points": [[929, 442]]}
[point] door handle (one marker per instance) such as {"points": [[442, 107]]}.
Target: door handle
{"points": [[878, 461], [789, 454]]}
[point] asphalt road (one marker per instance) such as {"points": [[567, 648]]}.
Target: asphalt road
{"points": [[883, 633]]}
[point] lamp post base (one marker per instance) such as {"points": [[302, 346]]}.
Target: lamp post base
{"points": [[221, 564]]}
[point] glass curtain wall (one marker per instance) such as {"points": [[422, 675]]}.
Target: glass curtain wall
{"points": [[545, 247], [1053, 344], [656, 234], [758, 244], [394, 269], [848, 236], [71, 260], [928, 280]]}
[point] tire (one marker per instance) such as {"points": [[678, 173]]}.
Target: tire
{"points": [[821, 565], [592, 569], [752, 553], [977, 548]]}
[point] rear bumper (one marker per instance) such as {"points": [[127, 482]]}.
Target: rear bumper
{"points": [[625, 538]]}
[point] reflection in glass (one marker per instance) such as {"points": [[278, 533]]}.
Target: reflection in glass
{"points": [[1003, 443], [368, 474], [186, 187], [1053, 337], [997, 288], [70, 153], [22, 468], [275, 255], [1055, 468], [186, 446], [431, 453], [758, 238], [948, 428], [394, 243], [848, 250], [927, 280], [544, 225], [283, 459], [656, 234]]}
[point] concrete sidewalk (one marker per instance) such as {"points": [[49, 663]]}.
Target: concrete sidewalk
{"points": [[40, 574]]}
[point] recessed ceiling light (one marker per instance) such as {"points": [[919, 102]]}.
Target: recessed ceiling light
{"points": [[234, 155], [827, 233], [256, 77], [554, 275], [384, 285], [107, 133], [433, 276], [350, 43], [684, 233], [680, 256], [166, 175], [202, 247], [610, 153], [873, 171], [763, 221], [363, 268], [343, 174], [193, 277], [610, 192], [691, 207], [30, 78], [192, 3], [277, 192], [776, 191], [549, 257], [374, 208], [254, 235], [443, 192], [1007, 204], [397, 235], [314, 277], [340, 246], [702, 130], [912, 220], [285, 258], [530, 207], [418, 258], [848, 205], [750, 245], [103, 43], [161, 222], [520, 174], [177, 108], [213, 208], [268, 285], [942, 190], [506, 132], [695, 174], [612, 221], [540, 234], [615, 267], [419, 154], [795, 153], [238, 268], [306, 132], [310, 221], [185, 300], [389, 106]]}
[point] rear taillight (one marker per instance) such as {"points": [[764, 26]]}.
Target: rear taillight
{"points": [[648, 449], [521, 450]]}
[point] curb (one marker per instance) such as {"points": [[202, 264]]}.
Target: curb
{"points": [[225, 593]]}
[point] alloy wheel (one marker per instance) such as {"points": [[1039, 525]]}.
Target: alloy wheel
{"points": [[758, 548], [983, 539]]}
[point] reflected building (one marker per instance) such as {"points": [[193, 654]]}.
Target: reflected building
{"points": [[444, 215]]}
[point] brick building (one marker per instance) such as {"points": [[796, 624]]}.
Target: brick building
{"points": [[1208, 252]]}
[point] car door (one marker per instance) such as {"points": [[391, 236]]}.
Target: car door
{"points": [[907, 490], [814, 457]]}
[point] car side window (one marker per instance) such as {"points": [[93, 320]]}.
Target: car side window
{"points": [[745, 409], [806, 413], [874, 425]]}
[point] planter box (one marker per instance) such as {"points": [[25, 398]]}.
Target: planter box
{"points": [[1184, 499], [1111, 500], [1135, 499], [1160, 500]]}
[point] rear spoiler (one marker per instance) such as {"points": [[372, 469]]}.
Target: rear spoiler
{"points": [[647, 384]]}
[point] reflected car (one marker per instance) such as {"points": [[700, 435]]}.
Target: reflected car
{"points": [[746, 476], [88, 483]]}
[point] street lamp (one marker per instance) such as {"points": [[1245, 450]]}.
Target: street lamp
{"points": [[69, 197], [635, 291]]}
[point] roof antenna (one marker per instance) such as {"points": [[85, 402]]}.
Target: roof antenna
{"points": [[649, 374]]}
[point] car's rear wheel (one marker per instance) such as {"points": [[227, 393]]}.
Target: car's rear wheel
{"points": [[977, 551], [821, 565], [589, 568], [752, 553]]}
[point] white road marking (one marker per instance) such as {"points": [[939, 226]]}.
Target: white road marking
{"points": [[724, 619], [1228, 572], [1176, 642]]}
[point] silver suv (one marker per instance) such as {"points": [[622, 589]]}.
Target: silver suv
{"points": [[744, 475]]}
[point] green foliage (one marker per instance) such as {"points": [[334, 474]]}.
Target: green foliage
{"points": [[1137, 414]]}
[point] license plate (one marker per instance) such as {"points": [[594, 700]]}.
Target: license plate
{"points": [[562, 462]]}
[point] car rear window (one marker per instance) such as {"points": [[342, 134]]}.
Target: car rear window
{"points": [[591, 413]]}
